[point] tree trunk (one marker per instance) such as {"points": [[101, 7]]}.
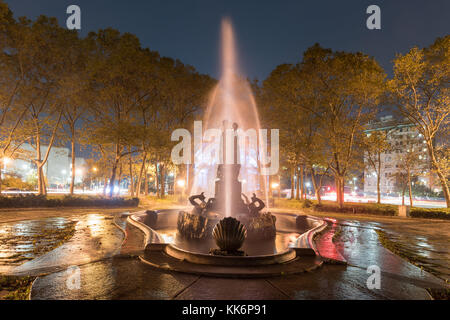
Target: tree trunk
{"points": [[131, 177], [72, 180], [119, 178], [315, 185], [113, 178], [379, 179], [297, 192], [410, 188], [163, 180], [146, 183], [157, 181], [441, 176], [105, 183], [139, 179], [112, 181], [444, 187], [38, 164], [378, 189], [44, 183], [339, 181], [42, 162], [292, 182], [403, 195], [302, 182]]}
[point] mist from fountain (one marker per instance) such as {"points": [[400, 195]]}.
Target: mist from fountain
{"points": [[232, 100]]}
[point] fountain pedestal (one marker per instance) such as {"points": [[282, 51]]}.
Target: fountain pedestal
{"points": [[231, 194]]}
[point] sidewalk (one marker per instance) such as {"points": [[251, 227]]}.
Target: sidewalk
{"points": [[14, 214]]}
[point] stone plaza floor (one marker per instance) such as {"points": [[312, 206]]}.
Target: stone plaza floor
{"points": [[110, 269]]}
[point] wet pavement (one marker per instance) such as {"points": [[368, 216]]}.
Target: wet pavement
{"points": [[425, 242], [26, 240], [108, 270], [127, 278], [94, 237]]}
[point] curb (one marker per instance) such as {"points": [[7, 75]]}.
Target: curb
{"points": [[150, 235], [306, 240], [121, 229]]}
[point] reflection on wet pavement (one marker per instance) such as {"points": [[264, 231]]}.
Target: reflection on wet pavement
{"points": [[94, 237], [21, 241], [433, 256], [359, 243], [116, 278]]}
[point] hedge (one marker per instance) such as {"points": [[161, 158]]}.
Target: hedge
{"points": [[364, 208], [39, 201], [435, 213]]}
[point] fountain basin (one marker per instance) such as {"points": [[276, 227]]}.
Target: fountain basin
{"points": [[293, 232], [278, 257]]}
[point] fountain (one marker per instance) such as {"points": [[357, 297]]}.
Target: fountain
{"points": [[224, 228], [228, 201]]}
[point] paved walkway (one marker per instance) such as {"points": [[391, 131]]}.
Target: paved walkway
{"points": [[109, 268], [427, 240], [96, 237], [13, 214], [123, 277]]}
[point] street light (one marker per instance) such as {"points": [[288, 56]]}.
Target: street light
{"points": [[275, 186], [181, 183]]}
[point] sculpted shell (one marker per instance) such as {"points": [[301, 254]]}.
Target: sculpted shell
{"points": [[229, 234]]}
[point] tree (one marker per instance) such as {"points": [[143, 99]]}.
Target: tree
{"points": [[408, 168], [375, 144], [74, 87], [43, 56], [117, 64], [348, 87], [11, 83], [322, 104], [420, 90], [284, 104]]}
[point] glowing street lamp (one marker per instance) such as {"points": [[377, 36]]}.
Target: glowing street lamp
{"points": [[275, 186], [181, 183]]}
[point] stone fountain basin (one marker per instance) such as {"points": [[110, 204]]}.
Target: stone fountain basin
{"points": [[294, 238]]}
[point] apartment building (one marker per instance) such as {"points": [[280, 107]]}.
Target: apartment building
{"points": [[403, 137]]}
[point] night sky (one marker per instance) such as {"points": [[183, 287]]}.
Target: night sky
{"points": [[268, 32]]}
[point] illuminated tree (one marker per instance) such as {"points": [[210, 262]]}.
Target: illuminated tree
{"points": [[420, 90]]}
